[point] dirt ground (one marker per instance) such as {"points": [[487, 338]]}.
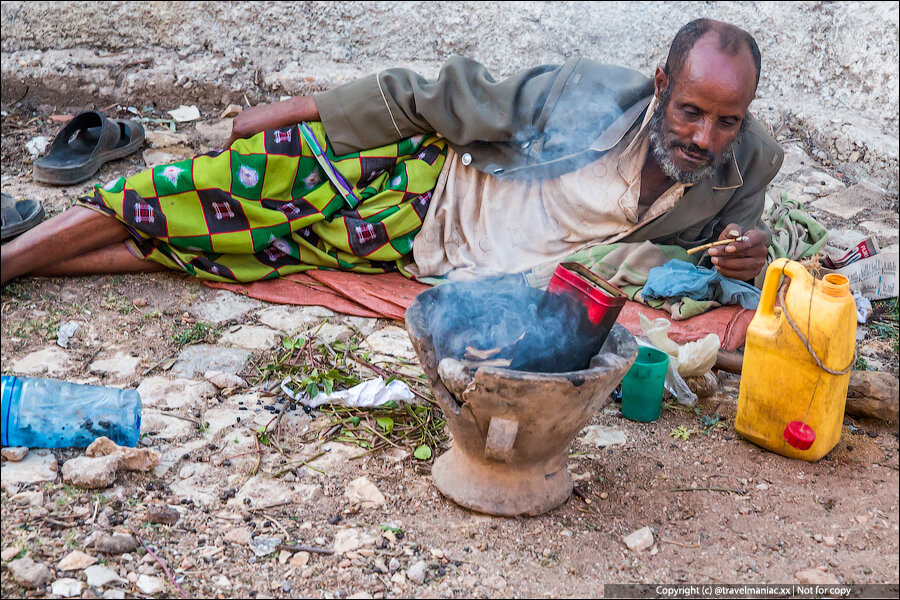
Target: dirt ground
{"points": [[720, 509]]}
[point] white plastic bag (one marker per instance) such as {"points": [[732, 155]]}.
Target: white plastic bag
{"points": [[692, 359], [367, 394], [685, 360], [65, 333]]}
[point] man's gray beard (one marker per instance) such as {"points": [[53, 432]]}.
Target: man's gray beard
{"points": [[659, 146]]}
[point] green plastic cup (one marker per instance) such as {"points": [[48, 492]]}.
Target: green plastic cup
{"points": [[642, 387]]}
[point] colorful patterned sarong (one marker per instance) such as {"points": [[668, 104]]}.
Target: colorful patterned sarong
{"points": [[278, 203]]}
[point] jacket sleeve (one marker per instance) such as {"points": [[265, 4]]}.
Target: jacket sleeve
{"points": [[464, 104]]}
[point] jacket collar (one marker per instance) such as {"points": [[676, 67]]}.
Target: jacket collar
{"points": [[617, 130], [728, 177]]}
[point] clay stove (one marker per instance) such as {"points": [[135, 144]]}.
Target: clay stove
{"points": [[511, 429]]}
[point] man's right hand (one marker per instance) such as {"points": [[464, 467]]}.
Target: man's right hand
{"points": [[744, 259], [272, 116]]}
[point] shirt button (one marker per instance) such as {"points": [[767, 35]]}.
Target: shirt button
{"points": [[467, 159]]}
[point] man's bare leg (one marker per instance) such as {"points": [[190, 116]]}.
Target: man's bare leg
{"points": [[115, 258], [75, 232]]}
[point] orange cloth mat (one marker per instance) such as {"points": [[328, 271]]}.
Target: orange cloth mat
{"points": [[385, 296], [388, 295]]}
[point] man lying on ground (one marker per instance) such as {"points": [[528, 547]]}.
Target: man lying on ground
{"points": [[459, 176]]}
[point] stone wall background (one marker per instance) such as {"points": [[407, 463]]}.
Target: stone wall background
{"points": [[830, 69]]}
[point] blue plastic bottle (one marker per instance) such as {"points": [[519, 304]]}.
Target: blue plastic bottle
{"points": [[47, 413]]}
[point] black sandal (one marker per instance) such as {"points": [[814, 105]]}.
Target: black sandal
{"points": [[84, 144], [19, 217]]}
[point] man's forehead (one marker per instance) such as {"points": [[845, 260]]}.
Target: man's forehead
{"points": [[730, 77]]}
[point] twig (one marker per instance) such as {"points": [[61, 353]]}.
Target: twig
{"points": [[680, 544], [382, 437], [284, 407], [270, 506], [305, 463], [91, 358], [581, 495], [159, 363], [708, 489], [277, 524], [333, 430], [366, 452], [725, 242], [258, 456], [57, 523], [188, 419], [310, 549], [378, 370], [161, 563], [241, 454]]}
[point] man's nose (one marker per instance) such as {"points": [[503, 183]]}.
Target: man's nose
{"points": [[702, 135]]}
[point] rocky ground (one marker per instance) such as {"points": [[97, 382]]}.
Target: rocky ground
{"points": [[306, 513]]}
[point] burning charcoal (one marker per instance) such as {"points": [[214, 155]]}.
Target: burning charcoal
{"points": [[476, 354]]}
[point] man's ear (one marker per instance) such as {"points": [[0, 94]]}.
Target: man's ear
{"points": [[660, 82]]}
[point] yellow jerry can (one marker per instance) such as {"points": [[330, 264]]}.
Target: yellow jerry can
{"points": [[794, 378]]}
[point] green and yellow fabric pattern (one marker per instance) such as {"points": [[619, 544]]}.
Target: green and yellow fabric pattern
{"points": [[266, 207]]}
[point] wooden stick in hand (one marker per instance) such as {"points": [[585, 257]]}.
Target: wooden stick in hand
{"points": [[725, 242]]}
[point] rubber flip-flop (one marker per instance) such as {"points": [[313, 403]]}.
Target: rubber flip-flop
{"points": [[19, 217], [84, 144]]}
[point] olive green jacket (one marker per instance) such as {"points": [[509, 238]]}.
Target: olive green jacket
{"points": [[544, 122]]}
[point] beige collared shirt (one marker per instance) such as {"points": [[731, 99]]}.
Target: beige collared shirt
{"points": [[480, 225]]}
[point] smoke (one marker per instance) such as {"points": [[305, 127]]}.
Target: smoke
{"points": [[537, 331], [581, 111]]}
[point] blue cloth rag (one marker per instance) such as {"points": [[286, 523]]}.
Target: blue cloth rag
{"points": [[677, 279]]}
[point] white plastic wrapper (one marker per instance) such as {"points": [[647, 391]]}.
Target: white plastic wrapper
{"points": [[65, 333], [37, 146], [367, 394], [863, 307], [691, 359]]}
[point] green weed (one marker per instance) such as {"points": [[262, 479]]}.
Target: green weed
{"points": [[45, 328], [71, 538], [195, 333], [681, 433], [117, 302]]}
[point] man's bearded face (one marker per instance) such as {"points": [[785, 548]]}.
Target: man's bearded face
{"points": [[664, 145]]}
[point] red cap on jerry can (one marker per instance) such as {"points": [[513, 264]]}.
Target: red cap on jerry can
{"points": [[799, 435]]}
